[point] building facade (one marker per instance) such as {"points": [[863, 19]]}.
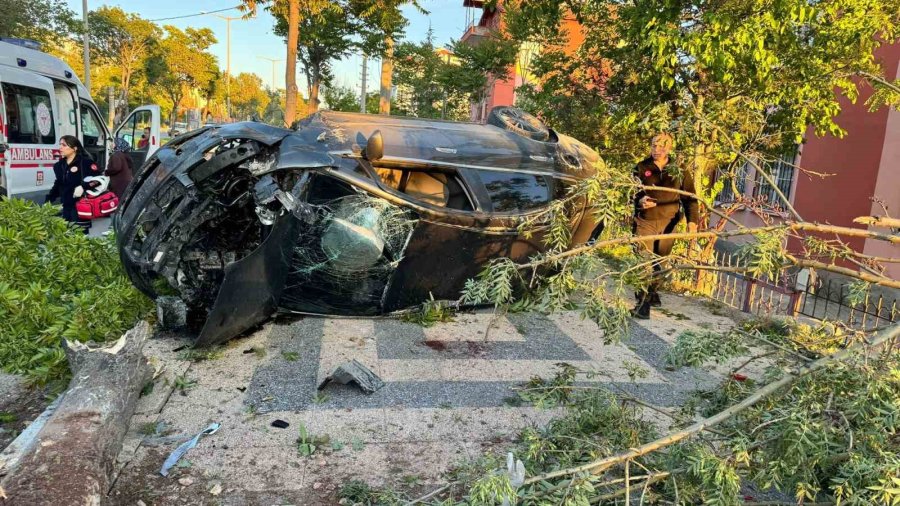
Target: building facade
{"points": [[863, 170]]}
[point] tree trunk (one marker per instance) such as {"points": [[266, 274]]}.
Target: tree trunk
{"points": [[387, 71], [290, 73], [71, 458], [313, 104]]}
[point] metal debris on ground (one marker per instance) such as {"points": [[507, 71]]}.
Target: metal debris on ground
{"points": [[171, 312], [280, 424], [187, 445], [354, 372]]}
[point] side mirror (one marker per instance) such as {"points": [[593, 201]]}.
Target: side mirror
{"points": [[374, 147]]}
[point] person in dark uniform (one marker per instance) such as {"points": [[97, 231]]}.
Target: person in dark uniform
{"points": [[658, 211], [73, 166]]}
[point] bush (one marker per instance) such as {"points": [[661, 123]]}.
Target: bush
{"points": [[57, 283]]}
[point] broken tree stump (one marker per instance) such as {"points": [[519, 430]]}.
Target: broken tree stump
{"points": [[72, 458]]}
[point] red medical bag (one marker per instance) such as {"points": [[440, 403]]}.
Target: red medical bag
{"points": [[101, 206]]}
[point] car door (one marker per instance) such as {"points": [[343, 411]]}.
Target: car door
{"points": [[94, 136], [30, 134], [141, 131], [453, 245]]}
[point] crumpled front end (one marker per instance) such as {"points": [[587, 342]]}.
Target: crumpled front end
{"points": [[204, 220]]}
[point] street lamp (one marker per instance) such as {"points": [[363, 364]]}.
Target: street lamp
{"points": [[228, 21], [274, 61]]}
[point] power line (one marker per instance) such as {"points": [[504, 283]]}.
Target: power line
{"points": [[204, 13]]}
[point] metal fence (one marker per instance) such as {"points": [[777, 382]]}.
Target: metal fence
{"points": [[820, 300]]}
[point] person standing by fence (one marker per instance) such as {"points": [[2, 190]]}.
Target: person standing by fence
{"points": [[657, 211]]}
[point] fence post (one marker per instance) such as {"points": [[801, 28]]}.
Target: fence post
{"points": [[749, 293], [794, 308]]}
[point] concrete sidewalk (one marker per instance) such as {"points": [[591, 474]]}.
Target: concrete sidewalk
{"points": [[446, 400]]}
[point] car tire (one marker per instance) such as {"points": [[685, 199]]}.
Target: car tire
{"points": [[518, 121]]}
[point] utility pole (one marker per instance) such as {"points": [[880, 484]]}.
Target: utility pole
{"points": [[387, 70], [274, 61], [87, 47], [362, 95]]}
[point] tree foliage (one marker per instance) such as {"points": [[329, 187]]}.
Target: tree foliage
{"points": [[123, 41], [249, 97], [182, 62], [50, 22], [723, 75], [425, 80], [57, 283], [325, 35], [341, 98]]}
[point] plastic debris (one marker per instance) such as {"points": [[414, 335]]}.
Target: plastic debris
{"points": [[354, 372], [280, 424], [515, 470], [187, 445]]}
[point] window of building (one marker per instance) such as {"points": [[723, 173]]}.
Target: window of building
{"points": [[731, 182], [782, 172], [29, 113]]}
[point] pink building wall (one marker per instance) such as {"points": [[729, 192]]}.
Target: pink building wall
{"points": [[865, 163]]}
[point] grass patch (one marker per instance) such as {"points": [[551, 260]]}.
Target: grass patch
{"points": [[57, 283], [201, 354]]}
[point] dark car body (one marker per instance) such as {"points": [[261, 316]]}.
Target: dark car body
{"points": [[350, 214]]}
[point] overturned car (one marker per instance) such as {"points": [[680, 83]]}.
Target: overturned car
{"points": [[350, 214]]}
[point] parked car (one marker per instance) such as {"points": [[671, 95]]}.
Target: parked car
{"points": [[178, 129], [350, 214]]}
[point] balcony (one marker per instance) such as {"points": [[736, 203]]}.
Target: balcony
{"points": [[475, 34]]}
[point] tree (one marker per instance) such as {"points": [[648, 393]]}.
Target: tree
{"points": [[293, 12], [325, 35], [383, 23], [480, 65], [426, 82], [123, 41], [183, 62], [728, 75], [341, 98], [251, 99], [50, 22]]}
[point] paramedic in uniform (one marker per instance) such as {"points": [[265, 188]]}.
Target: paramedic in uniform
{"points": [[658, 211], [73, 166]]}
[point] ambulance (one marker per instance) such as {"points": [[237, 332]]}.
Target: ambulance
{"points": [[41, 99]]}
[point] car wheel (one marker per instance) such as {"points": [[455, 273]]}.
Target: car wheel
{"points": [[518, 121]]}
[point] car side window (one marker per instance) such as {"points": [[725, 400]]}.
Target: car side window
{"points": [[512, 191], [142, 121], [435, 188], [91, 130], [29, 112]]}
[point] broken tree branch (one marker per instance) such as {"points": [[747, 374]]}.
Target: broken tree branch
{"points": [[878, 221], [598, 466]]}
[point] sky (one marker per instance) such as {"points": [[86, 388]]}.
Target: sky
{"points": [[252, 40]]}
